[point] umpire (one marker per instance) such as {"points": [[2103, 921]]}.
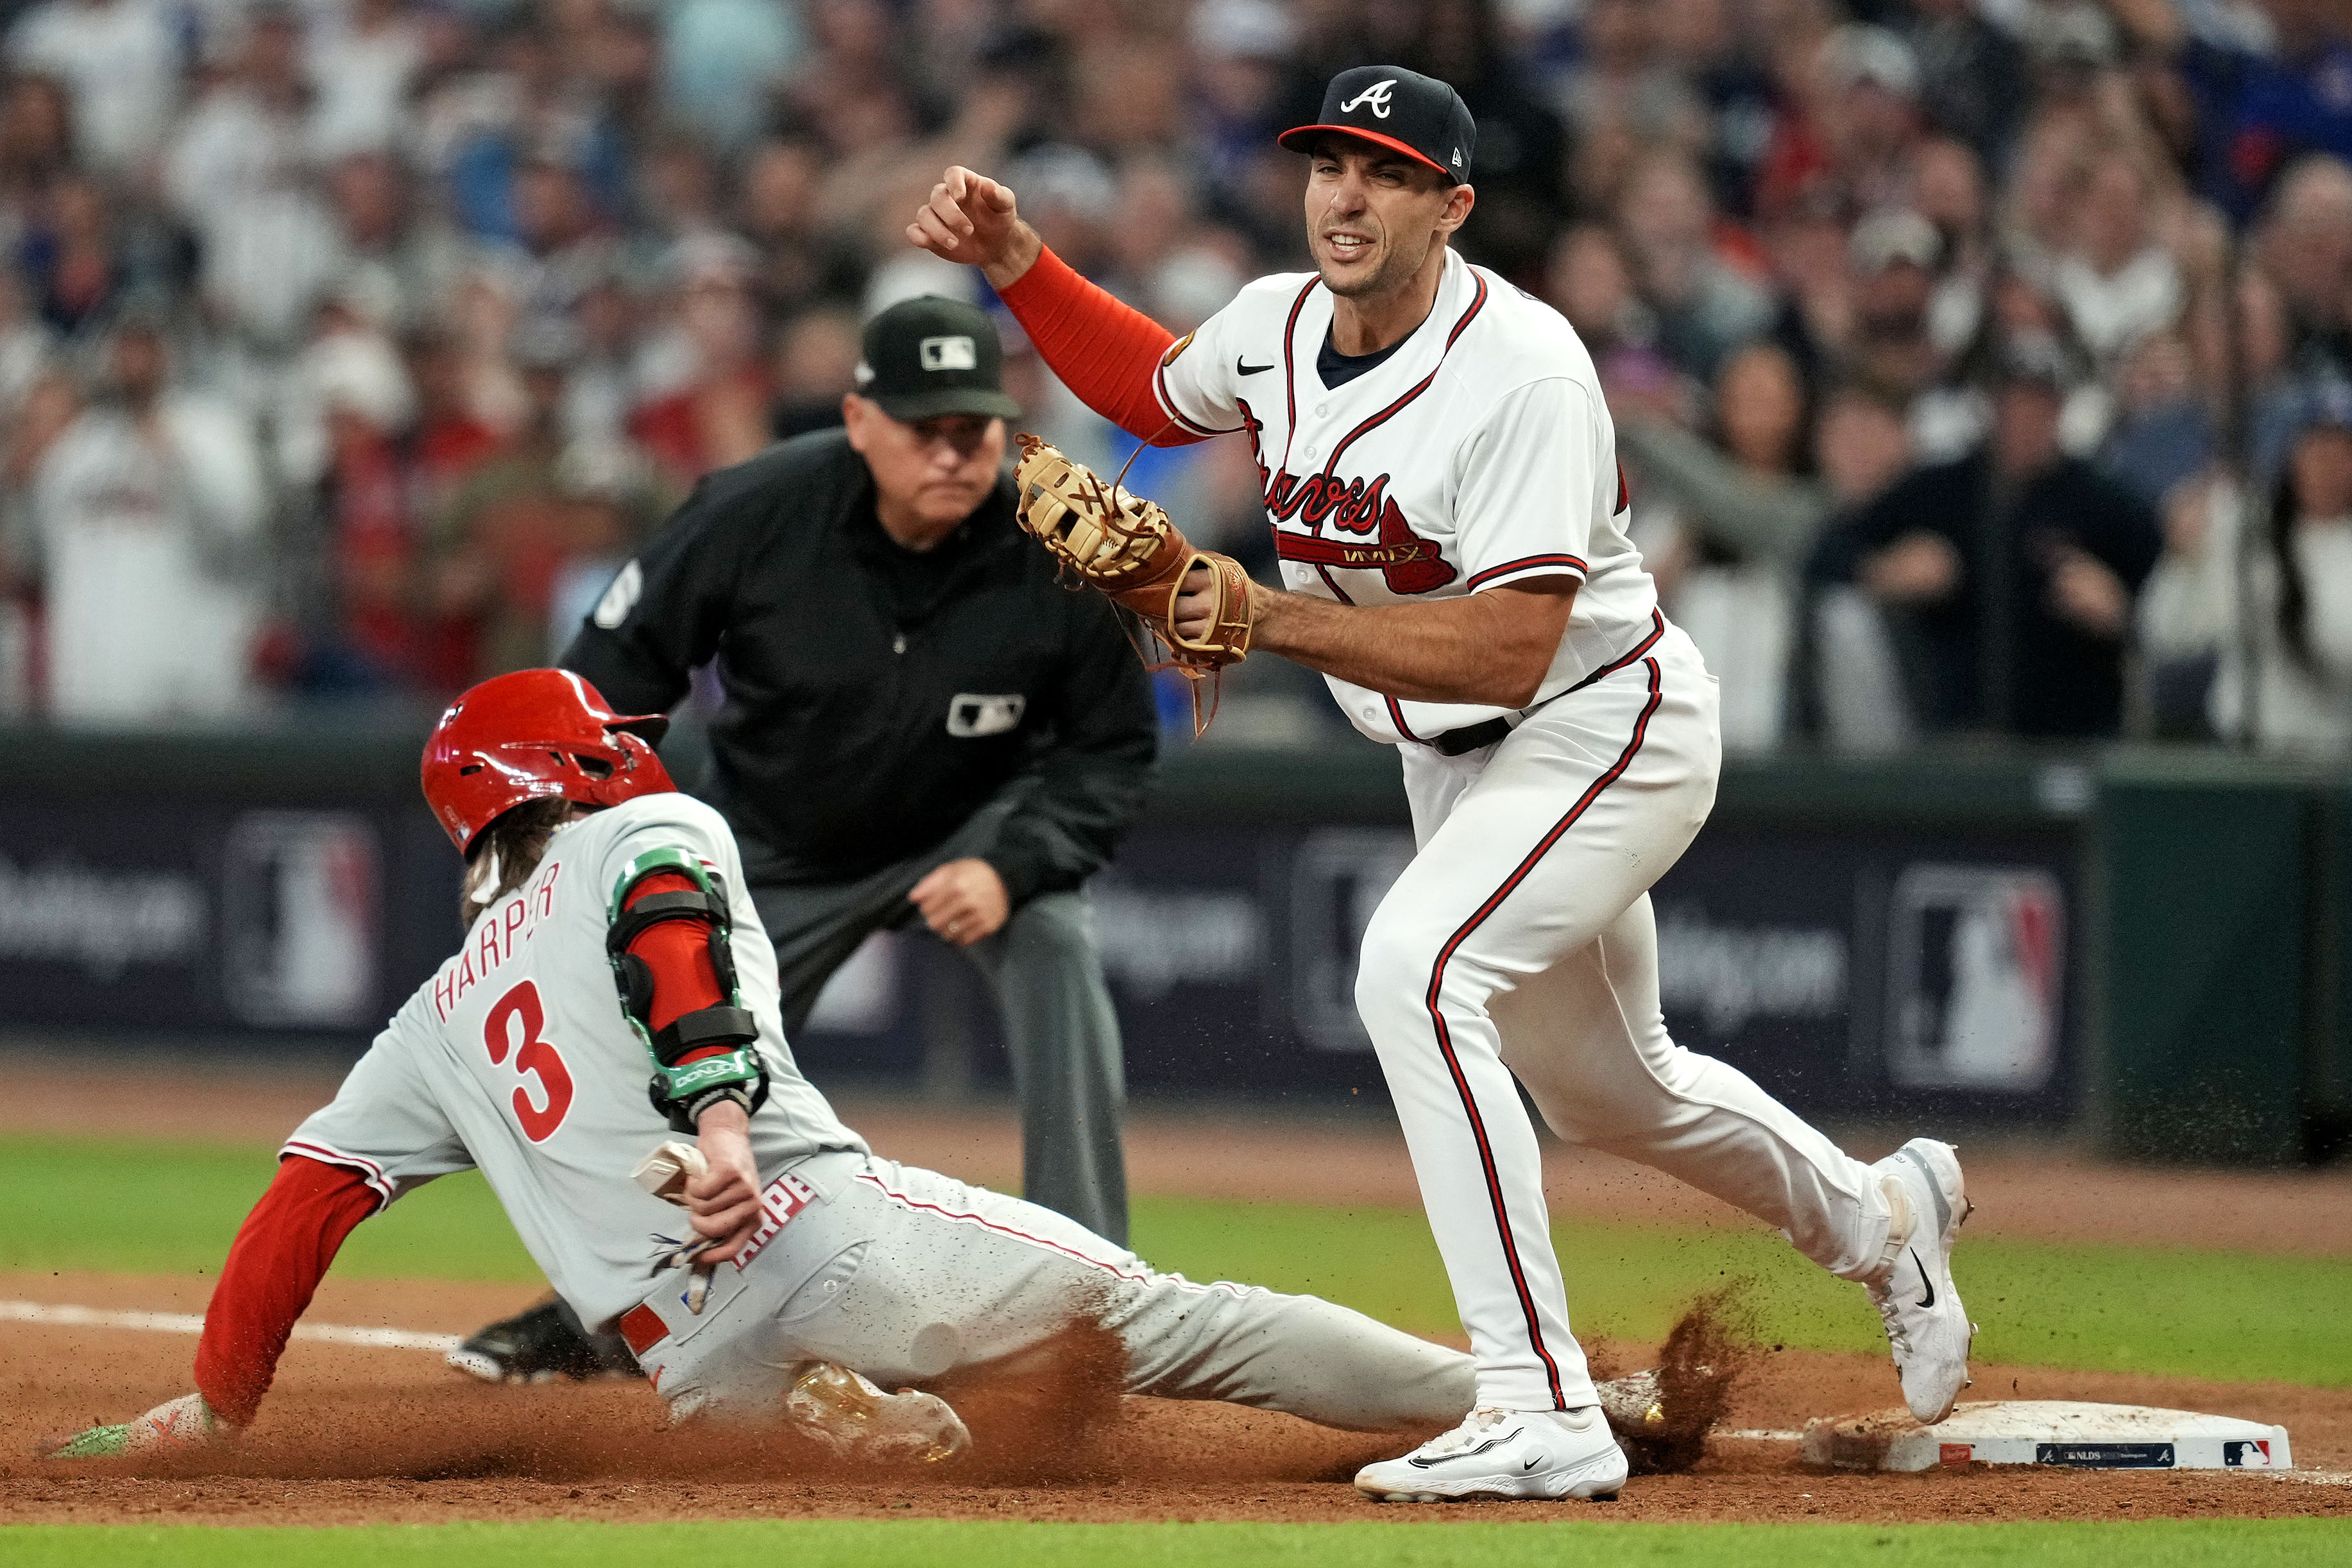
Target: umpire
{"points": [[918, 722]]}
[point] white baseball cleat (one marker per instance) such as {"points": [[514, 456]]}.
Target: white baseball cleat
{"points": [[1926, 1325], [1549, 1454]]}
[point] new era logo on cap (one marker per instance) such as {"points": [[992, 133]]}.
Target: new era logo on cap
{"points": [[950, 353]]}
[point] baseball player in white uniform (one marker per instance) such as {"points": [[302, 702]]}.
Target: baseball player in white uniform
{"points": [[1440, 470], [612, 941]]}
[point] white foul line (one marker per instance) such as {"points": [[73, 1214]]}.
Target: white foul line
{"points": [[190, 1324]]}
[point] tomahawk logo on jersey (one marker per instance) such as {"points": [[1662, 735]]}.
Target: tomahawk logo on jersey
{"points": [[1478, 453]]}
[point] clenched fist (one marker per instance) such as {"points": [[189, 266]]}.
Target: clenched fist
{"points": [[971, 219]]}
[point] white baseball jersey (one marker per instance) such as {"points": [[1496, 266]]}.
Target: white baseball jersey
{"points": [[515, 1058], [1479, 453]]}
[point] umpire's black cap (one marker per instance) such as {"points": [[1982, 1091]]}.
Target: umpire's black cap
{"points": [[1417, 115], [930, 356]]}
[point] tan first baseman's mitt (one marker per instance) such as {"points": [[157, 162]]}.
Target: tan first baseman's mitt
{"points": [[1114, 540]]}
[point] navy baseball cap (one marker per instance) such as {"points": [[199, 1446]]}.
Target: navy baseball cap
{"points": [[1417, 115]]}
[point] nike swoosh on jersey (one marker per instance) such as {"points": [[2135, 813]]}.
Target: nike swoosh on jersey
{"points": [[1243, 367]]}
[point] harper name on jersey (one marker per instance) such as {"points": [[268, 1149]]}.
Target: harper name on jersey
{"points": [[1479, 453], [493, 940]]}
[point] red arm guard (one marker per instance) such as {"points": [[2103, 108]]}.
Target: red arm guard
{"points": [[280, 1254], [1103, 351], [679, 952]]}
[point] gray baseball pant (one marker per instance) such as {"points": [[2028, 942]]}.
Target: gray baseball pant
{"points": [[906, 1275], [1060, 1030]]}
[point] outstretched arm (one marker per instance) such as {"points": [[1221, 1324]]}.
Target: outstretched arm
{"points": [[274, 1266], [1103, 350]]}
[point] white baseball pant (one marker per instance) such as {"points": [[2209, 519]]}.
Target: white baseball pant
{"points": [[1521, 940], [905, 1275]]}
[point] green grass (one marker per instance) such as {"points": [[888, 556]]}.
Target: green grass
{"points": [[172, 1208], [921, 1543], [2165, 1310]]}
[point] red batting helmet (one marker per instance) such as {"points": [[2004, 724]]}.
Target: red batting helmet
{"points": [[535, 735]]}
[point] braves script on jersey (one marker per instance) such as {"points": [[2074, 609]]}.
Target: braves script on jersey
{"points": [[515, 1058], [1480, 453]]}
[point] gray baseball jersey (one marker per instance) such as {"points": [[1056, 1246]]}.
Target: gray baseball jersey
{"points": [[515, 1058]]}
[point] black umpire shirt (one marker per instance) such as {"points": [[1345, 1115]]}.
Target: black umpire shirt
{"points": [[877, 697]]}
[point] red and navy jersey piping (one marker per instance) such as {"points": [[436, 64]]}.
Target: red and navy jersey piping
{"points": [[1522, 565]]}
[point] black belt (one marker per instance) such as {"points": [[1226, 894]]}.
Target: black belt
{"points": [[1471, 737]]}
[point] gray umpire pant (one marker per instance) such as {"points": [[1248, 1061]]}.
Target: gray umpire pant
{"points": [[1046, 973]]}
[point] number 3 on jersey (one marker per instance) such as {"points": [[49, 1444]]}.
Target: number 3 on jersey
{"points": [[533, 1056]]}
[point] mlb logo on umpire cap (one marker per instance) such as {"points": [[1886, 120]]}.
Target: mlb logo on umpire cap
{"points": [[927, 356], [950, 353], [1417, 115]]}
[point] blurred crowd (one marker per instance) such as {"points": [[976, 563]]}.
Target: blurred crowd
{"points": [[1980, 367]]}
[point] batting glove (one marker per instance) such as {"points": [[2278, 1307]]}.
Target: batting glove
{"points": [[179, 1424]]}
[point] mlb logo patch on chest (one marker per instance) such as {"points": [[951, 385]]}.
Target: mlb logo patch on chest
{"points": [[972, 715]]}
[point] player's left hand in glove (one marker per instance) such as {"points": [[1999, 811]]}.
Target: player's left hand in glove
{"points": [[174, 1426], [1116, 541]]}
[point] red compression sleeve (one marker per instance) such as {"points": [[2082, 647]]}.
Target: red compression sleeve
{"points": [[679, 952], [280, 1254], [1103, 351]]}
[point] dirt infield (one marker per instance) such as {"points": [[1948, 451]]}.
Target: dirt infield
{"points": [[355, 1434], [361, 1435]]}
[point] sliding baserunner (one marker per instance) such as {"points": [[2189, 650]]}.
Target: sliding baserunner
{"points": [[615, 991]]}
